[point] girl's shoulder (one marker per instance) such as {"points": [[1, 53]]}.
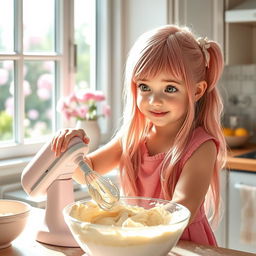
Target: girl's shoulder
{"points": [[199, 136]]}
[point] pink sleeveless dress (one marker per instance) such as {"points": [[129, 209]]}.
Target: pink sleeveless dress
{"points": [[199, 231]]}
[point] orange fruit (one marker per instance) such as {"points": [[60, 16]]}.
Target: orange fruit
{"points": [[241, 132], [227, 131]]}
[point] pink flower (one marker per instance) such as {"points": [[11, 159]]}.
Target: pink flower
{"points": [[61, 105], [45, 81], [83, 105], [33, 114], [72, 98], [99, 96], [67, 115], [82, 112], [84, 96], [106, 110], [43, 93]]}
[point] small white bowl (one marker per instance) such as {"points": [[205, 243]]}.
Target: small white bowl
{"points": [[236, 141], [13, 218]]}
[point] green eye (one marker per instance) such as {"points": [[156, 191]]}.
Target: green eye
{"points": [[143, 87], [171, 88]]}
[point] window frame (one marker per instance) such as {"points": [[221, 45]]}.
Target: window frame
{"points": [[15, 156], [64, 66]]}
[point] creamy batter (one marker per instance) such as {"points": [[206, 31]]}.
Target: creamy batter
{"points": [[126, 230], [121, 215]]}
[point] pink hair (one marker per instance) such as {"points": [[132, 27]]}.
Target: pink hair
{"points": [[173, 50]]}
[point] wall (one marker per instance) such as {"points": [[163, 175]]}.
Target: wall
{"points": [[141, 16], [129, 19], [240, 81]]}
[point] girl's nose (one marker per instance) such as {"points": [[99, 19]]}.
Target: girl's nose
{"points": [[156, 99]]}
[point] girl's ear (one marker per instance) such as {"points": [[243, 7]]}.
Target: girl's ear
{"points": [[200, 89]]}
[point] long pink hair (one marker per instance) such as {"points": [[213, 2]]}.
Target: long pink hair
{"points": [[173, 50]]}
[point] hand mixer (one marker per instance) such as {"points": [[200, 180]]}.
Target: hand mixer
{"points": [[49, 175]]}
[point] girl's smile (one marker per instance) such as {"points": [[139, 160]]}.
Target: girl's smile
{"points": [[159, 114]]}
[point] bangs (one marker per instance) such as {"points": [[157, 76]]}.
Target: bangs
{"points": [[159, 59]]}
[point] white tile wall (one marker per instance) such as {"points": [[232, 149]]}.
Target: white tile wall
{"points": [[240, 81]]}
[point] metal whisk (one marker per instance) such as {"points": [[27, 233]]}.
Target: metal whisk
{"points": [[101, 189]]}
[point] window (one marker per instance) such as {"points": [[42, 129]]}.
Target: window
{"points": [[37, 65], [84, 37]]}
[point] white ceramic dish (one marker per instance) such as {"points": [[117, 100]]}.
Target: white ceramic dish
{"points": [[13, 218], [98, 240]]}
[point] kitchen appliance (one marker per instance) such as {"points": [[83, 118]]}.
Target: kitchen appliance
{"points": [[49, 175], [105, 193]]}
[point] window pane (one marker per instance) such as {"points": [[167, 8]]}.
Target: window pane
{"points": [[84, 38], [38, 23], [6, 26], [39, 80], [6, 100]]}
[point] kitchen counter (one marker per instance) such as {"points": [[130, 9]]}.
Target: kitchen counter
{"points": [[237, 163], [26, 245]]}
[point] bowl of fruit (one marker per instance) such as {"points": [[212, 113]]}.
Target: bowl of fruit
{"points": [[237, 137]]}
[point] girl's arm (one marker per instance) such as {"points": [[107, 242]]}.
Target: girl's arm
{"points": [[102, 160], [195, 178]]}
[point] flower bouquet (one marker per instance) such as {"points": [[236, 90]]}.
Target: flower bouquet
{"points": [[84, 105]]}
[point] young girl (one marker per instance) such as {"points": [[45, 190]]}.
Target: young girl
{"points": [[170, 144]]}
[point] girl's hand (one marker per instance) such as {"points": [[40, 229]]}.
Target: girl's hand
{"points": [[62, 138]]}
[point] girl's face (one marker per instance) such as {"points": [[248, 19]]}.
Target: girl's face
{"points": [[163, 100]]}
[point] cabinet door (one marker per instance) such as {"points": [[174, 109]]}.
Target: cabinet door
{"points": [[240, 226], [205, 17], [239, 38]]}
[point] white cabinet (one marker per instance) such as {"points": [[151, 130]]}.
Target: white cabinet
{"points": [[242, 211], [240, 34], [235, 207], [205, 17]]}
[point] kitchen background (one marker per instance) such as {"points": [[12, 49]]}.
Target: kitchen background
{"points": [[238, 90]]}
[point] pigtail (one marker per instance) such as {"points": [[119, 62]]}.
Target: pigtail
{"points": [[211, 109]]}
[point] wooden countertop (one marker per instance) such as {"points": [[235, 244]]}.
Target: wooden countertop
{"points": [[237, 163], [26, 245]]}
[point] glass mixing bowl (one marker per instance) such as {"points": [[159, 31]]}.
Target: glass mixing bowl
{"points": [[110, 240]]}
